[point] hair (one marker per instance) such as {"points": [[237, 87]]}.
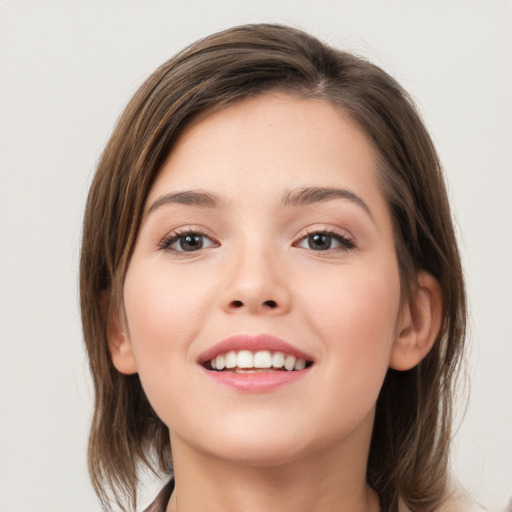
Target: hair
{"points": [[408, 459]]}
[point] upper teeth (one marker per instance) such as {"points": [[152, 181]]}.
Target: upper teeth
{"points": [[260, 359]]}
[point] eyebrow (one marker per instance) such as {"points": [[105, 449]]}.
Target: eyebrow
{"points": [[311, 195], [188, 197], [297, 197]]}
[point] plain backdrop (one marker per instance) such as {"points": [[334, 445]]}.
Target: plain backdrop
{"points": [[68, 68]]}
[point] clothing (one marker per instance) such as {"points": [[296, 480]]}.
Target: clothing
{"points": [[460, 504], [161, 501]]}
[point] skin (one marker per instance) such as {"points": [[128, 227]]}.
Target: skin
{"points": [[304, 445]]}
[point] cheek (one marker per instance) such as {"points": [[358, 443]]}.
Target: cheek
{"points": [[356, 317], [165, 311], [357, 323]]}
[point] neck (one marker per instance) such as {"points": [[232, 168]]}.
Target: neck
{"points": [[332, 479]]}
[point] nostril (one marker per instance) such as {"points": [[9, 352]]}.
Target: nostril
{"points": [[237, 304]]}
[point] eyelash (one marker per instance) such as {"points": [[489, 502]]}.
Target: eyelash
{"points": [[175, 236], [346, 242]]}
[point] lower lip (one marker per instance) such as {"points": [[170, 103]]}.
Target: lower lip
{"points": [[258, 381]]}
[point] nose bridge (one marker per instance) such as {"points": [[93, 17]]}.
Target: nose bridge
{"points": [[256, 280]]}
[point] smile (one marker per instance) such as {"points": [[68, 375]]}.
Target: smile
{"points": [[255, 363], [246, 361]]}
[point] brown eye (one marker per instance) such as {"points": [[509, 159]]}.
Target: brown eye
{"points": [[187, 242], [319, 241], [324, 241], [191, 242]]}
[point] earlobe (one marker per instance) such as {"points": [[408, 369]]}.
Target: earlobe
{"points": [[419, 324], [119, 343]]}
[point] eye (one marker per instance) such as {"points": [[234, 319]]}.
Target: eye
{"points": [[324, 241], [189, 241]]}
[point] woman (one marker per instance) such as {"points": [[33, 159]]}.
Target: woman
{"points": [[270, 284]]}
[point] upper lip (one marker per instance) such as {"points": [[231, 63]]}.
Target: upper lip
{"points": [[253, 343]]}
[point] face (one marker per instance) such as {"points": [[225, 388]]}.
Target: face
{"points": [[266, 241]]}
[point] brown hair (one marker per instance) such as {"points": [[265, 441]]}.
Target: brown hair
{"points": [[409, 447]]}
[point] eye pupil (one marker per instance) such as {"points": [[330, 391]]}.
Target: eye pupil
{"points": [[191, 242], [320, 241]]}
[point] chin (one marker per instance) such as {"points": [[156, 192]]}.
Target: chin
{"points": [[259, 454], [263, 444]]}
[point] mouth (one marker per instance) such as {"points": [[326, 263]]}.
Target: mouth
{"points": [[247, 361], [255, 354]]}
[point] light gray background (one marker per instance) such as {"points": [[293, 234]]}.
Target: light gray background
{"points": [[67, 69]]}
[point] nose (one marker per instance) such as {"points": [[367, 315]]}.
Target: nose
{"points": [[256, 284]]}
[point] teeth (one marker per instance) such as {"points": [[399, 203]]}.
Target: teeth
{"points": [[262, 359], [278, 360], [220, 362], [231, 359], [289, 363], [245, 361], [300, 364], [250, 370]]}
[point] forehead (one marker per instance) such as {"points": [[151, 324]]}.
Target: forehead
{"points": [[268, 143]]}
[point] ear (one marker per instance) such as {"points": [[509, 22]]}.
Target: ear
{"points": [[118, 340], [419, 324]]}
